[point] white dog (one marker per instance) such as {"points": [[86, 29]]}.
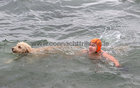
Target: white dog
{"points": [[23, 47]]}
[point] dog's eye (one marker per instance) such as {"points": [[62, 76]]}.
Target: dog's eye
{"points": [[19, 47]]}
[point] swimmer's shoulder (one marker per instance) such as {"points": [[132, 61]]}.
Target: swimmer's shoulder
{"points": [[103, 52]]}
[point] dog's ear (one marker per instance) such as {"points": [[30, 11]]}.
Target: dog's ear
{"points": [[28, 50]]}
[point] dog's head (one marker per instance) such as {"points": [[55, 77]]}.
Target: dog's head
{"points": [[21, 47]]}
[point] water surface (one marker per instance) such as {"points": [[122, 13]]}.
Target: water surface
{"points": [[116, 22]]}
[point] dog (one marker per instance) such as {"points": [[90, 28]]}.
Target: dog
{"points": [[24, 48]]}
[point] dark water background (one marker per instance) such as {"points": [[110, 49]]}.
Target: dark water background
{"points": [[116, 22]]}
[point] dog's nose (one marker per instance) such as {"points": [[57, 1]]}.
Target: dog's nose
{"points": [[12, 49]]}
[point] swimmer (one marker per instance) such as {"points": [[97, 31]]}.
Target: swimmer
{"points": [[95, 52]]}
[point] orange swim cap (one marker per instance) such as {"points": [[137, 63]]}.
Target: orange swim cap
{"points": [[98, 42]]}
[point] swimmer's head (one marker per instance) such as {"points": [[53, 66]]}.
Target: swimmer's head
{"points": [[95, 45]]}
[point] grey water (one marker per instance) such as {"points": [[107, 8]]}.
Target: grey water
{"points": [[115, 22]]}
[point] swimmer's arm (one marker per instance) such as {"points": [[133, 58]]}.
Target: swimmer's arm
{"points": [[111, 58], [84, 51]]}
